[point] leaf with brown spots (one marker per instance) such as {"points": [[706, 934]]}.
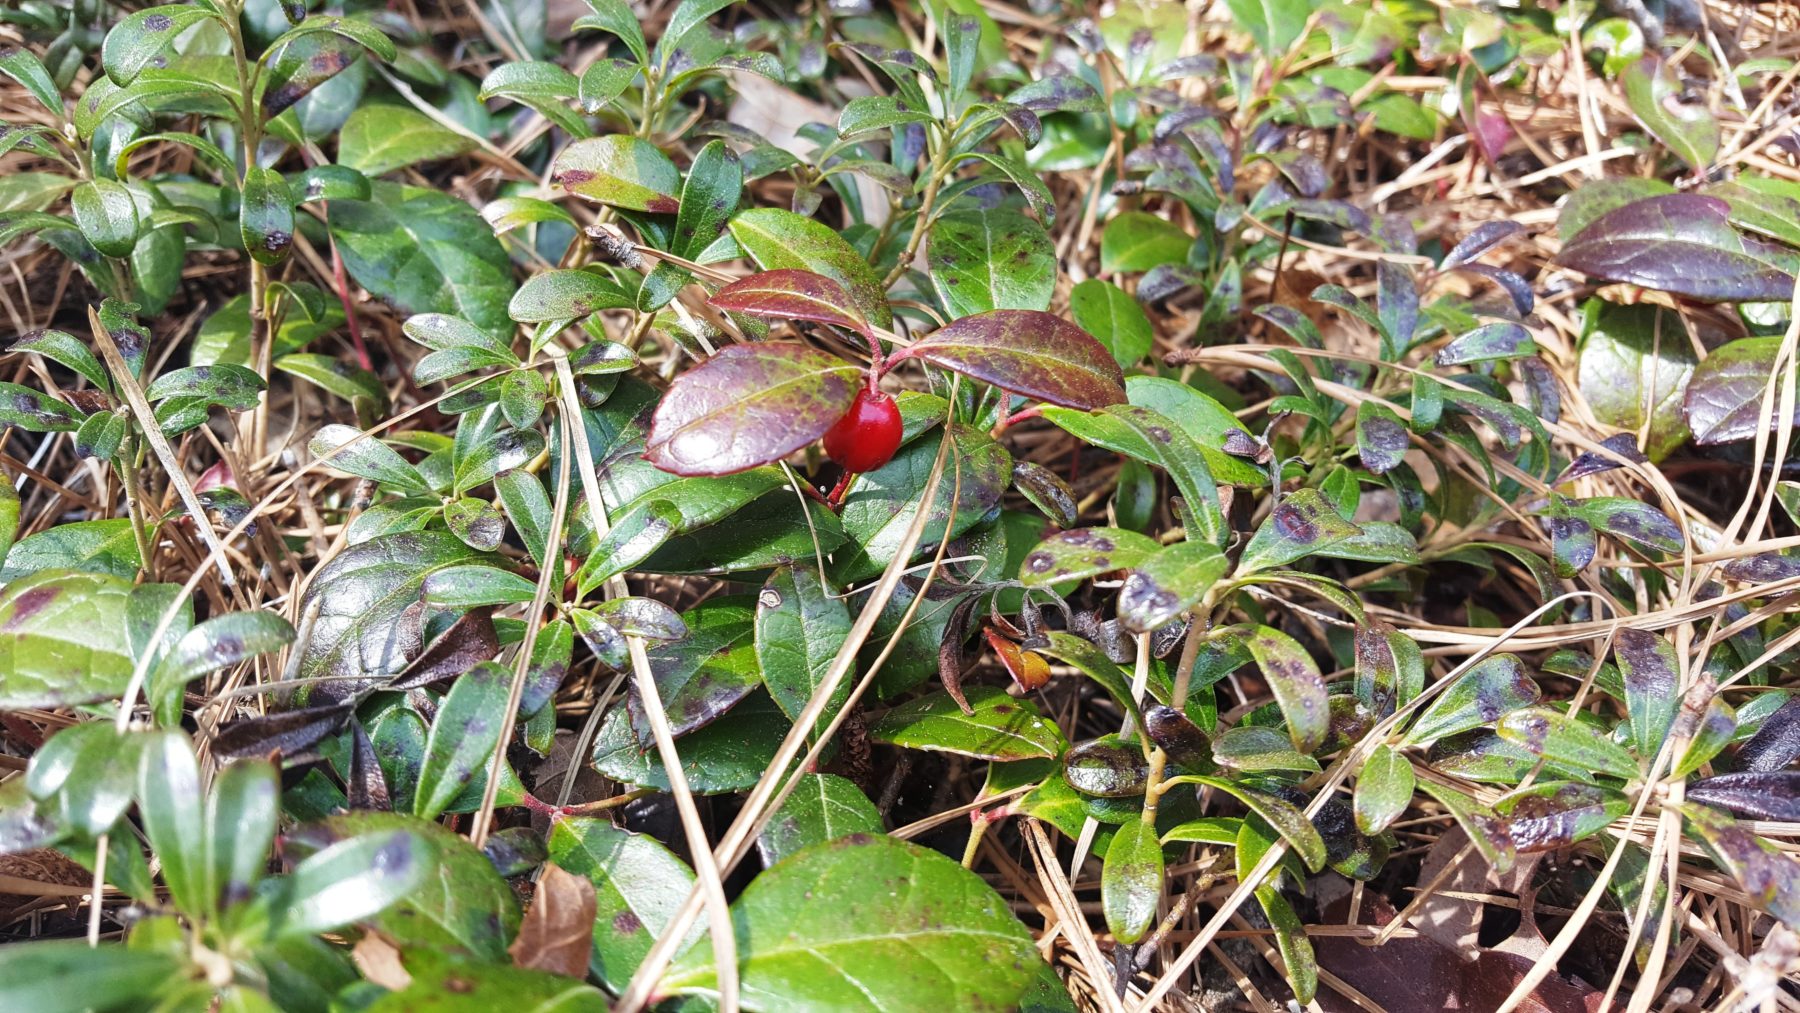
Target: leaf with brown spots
{"points": [[620, 170], [999, 727], [638, 886], [1084, 553], [556, 933], [1494, 687], [748, 405]]}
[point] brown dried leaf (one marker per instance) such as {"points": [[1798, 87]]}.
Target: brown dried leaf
{"points": [[557, 933]]}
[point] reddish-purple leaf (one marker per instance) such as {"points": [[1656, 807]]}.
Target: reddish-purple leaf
{"points": [[1775, 744], [1682, 243], [1485, 237], [791, 294], [1028, 352], [748, 405], [1724, 399]]}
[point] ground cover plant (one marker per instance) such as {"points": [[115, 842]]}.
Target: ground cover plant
{"points": [[950, 505]]}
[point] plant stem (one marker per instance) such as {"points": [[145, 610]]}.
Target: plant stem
{"points": [[134, 507]]}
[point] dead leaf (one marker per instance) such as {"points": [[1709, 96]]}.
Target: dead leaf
{"points": [[558, 932], [379, 962]]}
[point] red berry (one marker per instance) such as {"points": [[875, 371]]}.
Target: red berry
{"points": [[868, 434]]}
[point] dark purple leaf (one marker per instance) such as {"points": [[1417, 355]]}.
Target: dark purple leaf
{"points": [[1770, 876], [1775, 744], [468, 642], [1760, 794], [285, 732], [1763, 568], [365, 786], [1541, 390], [1684, 244], [1572, 545], [1647, 663], [1179, 737], [749, 405], [1486, 236], [1038, 355], [1724, 400], [1638, 523], [1516, 287], [1590, 463], [1107, 767], [791, 294]]}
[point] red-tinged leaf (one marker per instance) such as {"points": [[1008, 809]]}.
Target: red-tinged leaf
{"points": [[1724, 400], [556, 933], [1038, 355], [620, 170], [1682, 243], [748, 405], [1758, 794], [791, 294]]}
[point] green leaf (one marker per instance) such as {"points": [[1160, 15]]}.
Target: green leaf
{"points": [[1167, 584], [778, 239], [9, 515], [727, 755], [240, 826], [351, 881], [425, 252], [990, 260], [1085, 552], [639, 885], [463, 737], [1170, 448], [1381, 438], [891, 921], [1254, 749], [1301, 524], [23, 66], [706, 673], [367, 457], [334, 376], [748, 405], [460, 905], [477, 988], [471, 585], [1290, 938], [1131, 880], [822, 807], [619, 170], [63, 639], [565, 295], [141, 37], [364, 593], [65, 349], [1294, 679], [1275, 25], [1763, 871], [1037, 194], [379, 138], [616, 16], [1649, 668], [169, 802], [1113, 318], [1635, 361], [38, 977], [1036, 354], [1492, 688], [36, 411], [604, 81], [1572, 742], [1208, 422], [266, 218], [1653, 90], [219, 642], [636, 533], [1487, 831], [1384, 788], [709, 197], [1286, 818], [1639, 523], [871, 113], [800, 623], [235, 387], [881, 504], [1000, 727], [1138, 241], [107, 215]]}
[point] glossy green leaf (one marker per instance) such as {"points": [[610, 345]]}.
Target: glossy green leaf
{"points": [[565, 295], [778, 239], [379, 138], [266, 216], [425, 252], [170, 804], [62, 639], [217, 643], [350, 881], [800, 624], [1653, 90], [1138, 241], [705, 673], [1634, 362], [1001, 727], [887, 921], [1167, 584], [619, 170], [1301, 524], [140, 38], [727, 755], [1086, 552], [1546, 731], [1384, 788], [240, 826], [23, 66], [1490, 689], [1112, 317], [1131, 881], [111, 976], [107, 214], [1286, 818], [639, 885], [366, 457], [822, 807], [990, 260], [463, 737]]}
